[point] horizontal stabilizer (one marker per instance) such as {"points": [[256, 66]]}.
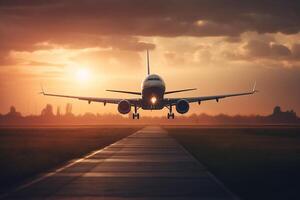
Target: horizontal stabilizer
{"points": [[126, 92], [176, 91]]}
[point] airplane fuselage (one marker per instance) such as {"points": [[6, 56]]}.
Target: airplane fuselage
{"points": [[153, 90]]}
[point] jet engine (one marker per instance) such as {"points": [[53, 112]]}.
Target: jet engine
{"points": [[124, 107], [182, 106]]}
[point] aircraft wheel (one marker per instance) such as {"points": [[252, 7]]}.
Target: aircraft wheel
{"points": [[135, 116], [171, 115]]}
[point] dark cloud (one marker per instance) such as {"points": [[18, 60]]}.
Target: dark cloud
{"points": [[233, 39], [256, 48], [76, 23], [158, 17], [263, 49], [280, 50]]}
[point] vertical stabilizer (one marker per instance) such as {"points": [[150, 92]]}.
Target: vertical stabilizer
{"points": [[148, 64]]}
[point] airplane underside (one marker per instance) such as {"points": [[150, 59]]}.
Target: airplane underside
{"points": [[147, 106], [170, 114], [158, 106]]}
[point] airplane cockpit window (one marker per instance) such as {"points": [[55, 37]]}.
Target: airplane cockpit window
{"points": [[154, 79]]}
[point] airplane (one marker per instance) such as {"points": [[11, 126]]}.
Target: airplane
{"points": [[152, 97]]}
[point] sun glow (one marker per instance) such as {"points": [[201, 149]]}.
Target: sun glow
{"points": [[83, 75]]}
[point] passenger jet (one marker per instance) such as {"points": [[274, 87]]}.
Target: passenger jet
{"points": [[152, 97]]}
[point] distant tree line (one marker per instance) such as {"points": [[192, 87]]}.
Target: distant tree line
{"points": [[47, 116]]}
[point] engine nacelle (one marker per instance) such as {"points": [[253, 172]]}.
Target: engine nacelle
{"points": [[182, 106], [124, 107]]}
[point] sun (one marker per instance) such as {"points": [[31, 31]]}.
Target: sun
{"points": [[83, 74]]}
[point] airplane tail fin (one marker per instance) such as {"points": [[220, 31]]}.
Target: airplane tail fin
{"points": [[148, 63]]}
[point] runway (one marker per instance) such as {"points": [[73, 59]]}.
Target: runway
{"points": [[148, 164]]}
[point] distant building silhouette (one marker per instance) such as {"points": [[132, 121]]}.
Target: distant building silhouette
{"points": [[47, 111], [276, 110], [69, 110], [47, 117], [58, 114], [281, 117], [13, 113]]}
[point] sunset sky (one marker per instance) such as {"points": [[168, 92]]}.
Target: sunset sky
{"points": [[85, 47]]}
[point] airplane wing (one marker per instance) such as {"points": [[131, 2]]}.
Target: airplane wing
{"points": [[173, 101], [176, 91], [94, 99], [126, 92]]}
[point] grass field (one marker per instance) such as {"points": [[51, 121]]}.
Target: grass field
{"points": [[255, 163], [26, 152]]}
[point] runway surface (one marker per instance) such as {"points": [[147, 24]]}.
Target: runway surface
{"points": [[148, 164]]}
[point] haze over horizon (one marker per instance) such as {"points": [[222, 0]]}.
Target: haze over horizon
{"points": [[85, 47]]}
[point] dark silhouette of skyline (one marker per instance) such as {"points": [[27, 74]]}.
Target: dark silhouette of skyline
{"points": [[48, 117]]}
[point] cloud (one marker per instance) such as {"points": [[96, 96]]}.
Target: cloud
{"points": [[42, 64], [279, 50], [233, 39], [160, 17], [108, 60], [261, 49], [151, 18], [120, 24], [267, 53], [296, 51]]}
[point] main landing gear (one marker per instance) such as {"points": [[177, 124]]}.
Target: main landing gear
{"points": [[135, 115], [170, 114]]}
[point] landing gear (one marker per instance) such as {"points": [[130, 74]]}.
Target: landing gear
{"points": [[135, 115], [170, 114]]}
